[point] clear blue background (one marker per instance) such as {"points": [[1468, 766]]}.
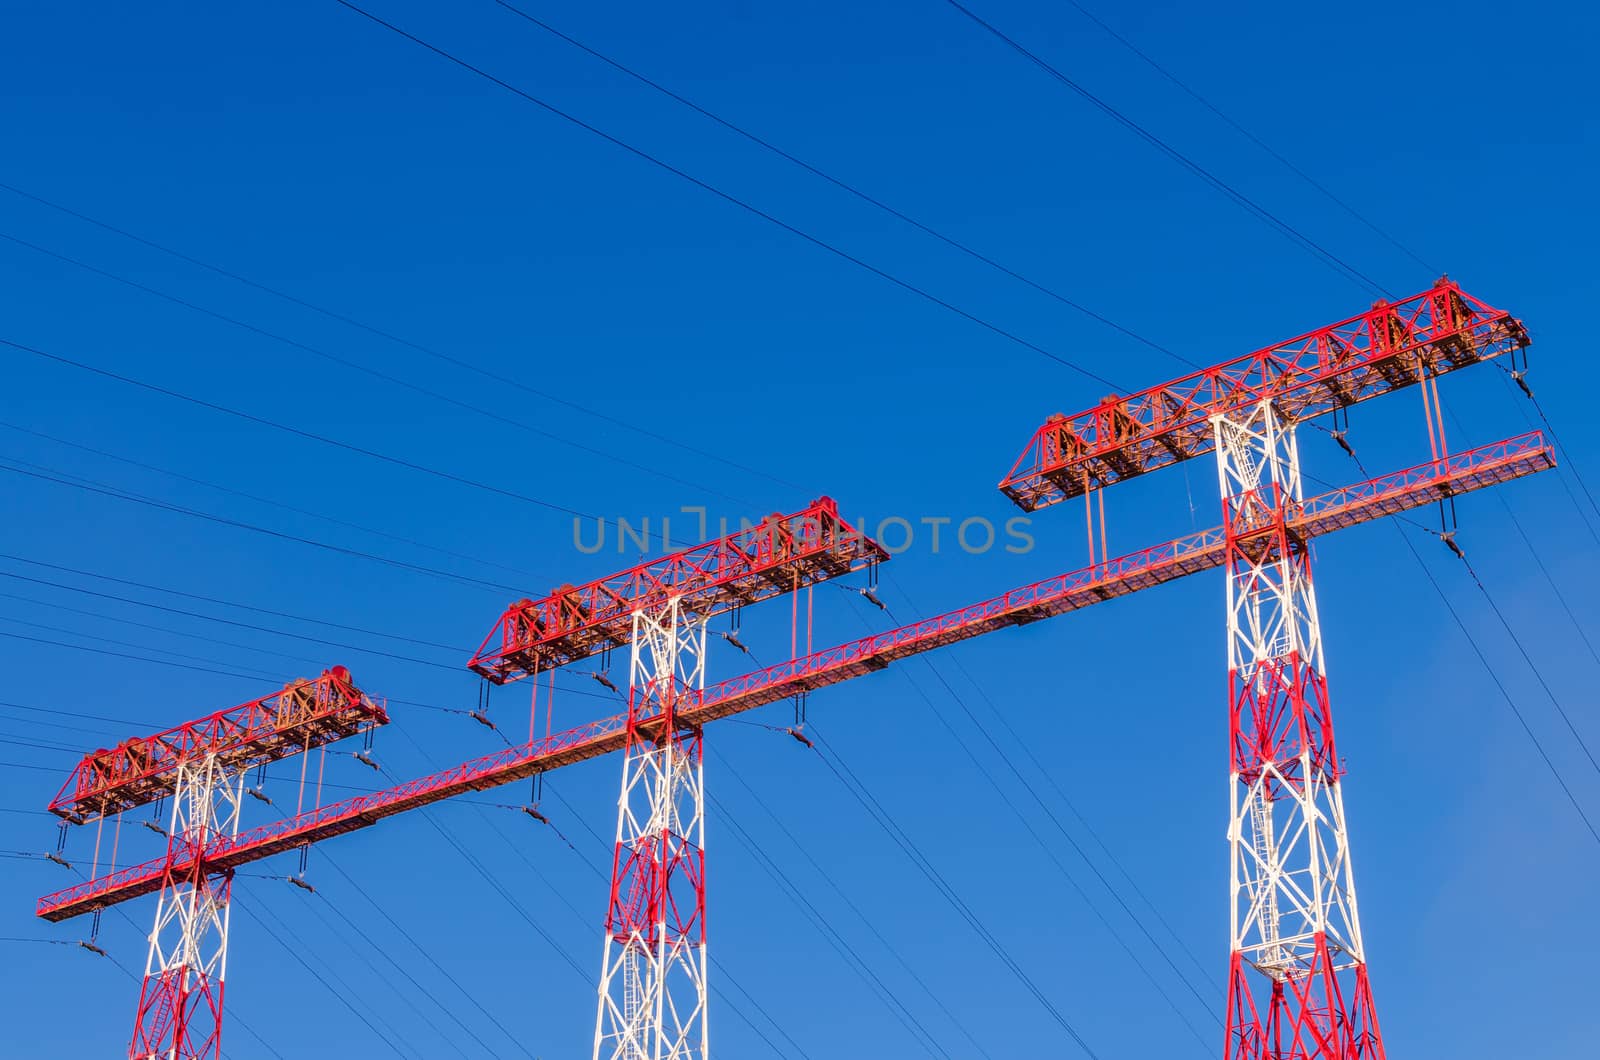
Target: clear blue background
{"points": [[314, 152]]}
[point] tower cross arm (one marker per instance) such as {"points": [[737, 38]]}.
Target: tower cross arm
{"points": [[305, 713], [779, 554], [1389, 347]]}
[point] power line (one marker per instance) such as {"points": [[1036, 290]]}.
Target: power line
{"points": [[335, 443], [1059, 826], [1566, 454], [1252, 137], [446, 358], [1250, 205], [247, 625], [886, 821], [1493, 674], [356, 366], [61, 478], [727, 197], [102, 639], [1504, 693], [848, 953], [1555, 588], [1055, 859], [948, 1010], [1537, 674], [159, 629], [124, 655], [1562, 467], [849, 188], [561, 897], [70, 713], [230, 491], [343, 994], [318, 898], [100, 731], [448, 976], [228, 622], [101, 576], [11, 740], [1038, 766]]}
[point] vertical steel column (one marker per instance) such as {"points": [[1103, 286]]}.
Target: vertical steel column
{"points": [[180, 1003], [1297, 985], [652, 1003]]}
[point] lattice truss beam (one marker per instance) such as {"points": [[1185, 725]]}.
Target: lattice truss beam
{"points": [[1391, 346], [781, 554], [304, 714], [1327, 513]]}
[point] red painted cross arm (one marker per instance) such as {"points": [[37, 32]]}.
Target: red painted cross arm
{"points": [[305, 713], [779, 555], [1391, 346]]}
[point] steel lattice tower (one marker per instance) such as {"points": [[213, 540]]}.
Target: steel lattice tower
{"points": [[1297, 983], [180, 1003], [652, 1003], [1298, 986]]}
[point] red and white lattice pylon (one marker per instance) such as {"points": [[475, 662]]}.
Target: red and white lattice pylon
{"points": [[1297, 985], [180, 1003], [653, 977]]}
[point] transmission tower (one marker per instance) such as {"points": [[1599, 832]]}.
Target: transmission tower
{"points": [[1294, 919], [653, 975], [1298, 985], [180, 1003]]}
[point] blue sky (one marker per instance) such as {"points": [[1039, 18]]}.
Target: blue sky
{"points": [[742, 368]]}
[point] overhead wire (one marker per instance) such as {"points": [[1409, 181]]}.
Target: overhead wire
{"points": [[123, 621], [849, 188], [847, 953], [1237, 127], [886, 821], [103, 639], [1290, 232], [104, 577], [390, 336], [225, 621], [1514, 708], [277, 425], [356, 366], [999, 715], [1538, 675], [509, 898], [1505, 693], [447, 667], [1050, 853], [317, 901], [949, 1010], [1331, 259], [343, 993], [742, 204], [60, 478], [547, 789], [324, 857], [232, 492]]}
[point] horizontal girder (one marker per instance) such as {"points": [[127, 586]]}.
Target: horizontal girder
{"points": [[1403, 490], [305, 713], [1391, 346], [780, 554]]}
